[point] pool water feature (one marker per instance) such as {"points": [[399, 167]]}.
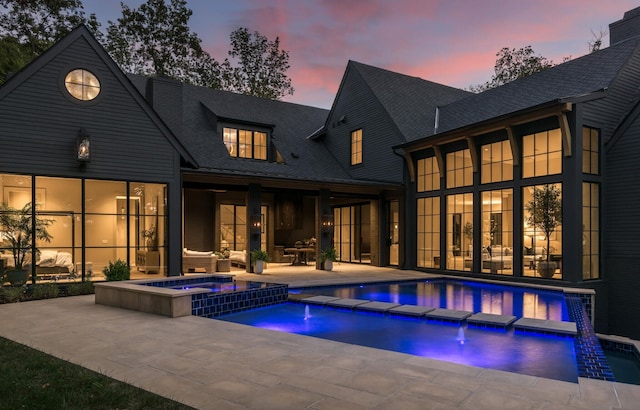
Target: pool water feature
{"points": [[526, 353], [458, 295]]}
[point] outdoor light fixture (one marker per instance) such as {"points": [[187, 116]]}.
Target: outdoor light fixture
{"points": [[327, 222], [83, 146], [256, 224]]}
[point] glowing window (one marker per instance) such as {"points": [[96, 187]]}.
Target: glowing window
{"points": [[428, 175], [82, 84], [245, 143], [542, 154], [497, 162], [590, 150], [356, 147], [459, 169]]}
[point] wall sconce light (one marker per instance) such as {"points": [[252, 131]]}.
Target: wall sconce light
{"points": [[83, 146], [256, 224], [327, 223]]}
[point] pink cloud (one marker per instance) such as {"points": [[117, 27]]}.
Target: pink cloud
{"points": [[448, 42]]}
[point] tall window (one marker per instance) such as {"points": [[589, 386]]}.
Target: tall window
{"points": [[590, 231], [459, 169], [356, 147], [245, 143], [590, 150], [428, 175], [542, 153], [233, 227], [537, 246], [497, 232], [497, 162], [459, 214], [428, 232]]}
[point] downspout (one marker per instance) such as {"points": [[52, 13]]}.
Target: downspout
{"points": [[436, 121]]}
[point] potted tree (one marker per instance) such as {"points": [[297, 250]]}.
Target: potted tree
{"points": [[545, 215], [327, 257], [258, 259], [16, 231]]}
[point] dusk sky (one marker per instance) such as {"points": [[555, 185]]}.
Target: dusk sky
{"points": [[452, 42]]}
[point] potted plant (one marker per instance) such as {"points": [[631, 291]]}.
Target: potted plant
{"points": [[327, 257], [223, 263], [545, 215], [258, 259], [16, 231]]}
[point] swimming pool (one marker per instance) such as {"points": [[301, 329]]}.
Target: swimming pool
{"points": [[457, 294], [536, 355]]}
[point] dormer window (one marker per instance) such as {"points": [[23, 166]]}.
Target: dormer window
{"points": [[245, 143]]}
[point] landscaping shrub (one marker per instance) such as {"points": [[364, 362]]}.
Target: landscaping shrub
{"points": [[118, 270], [45, 291], [80, 288], [10, 294]]}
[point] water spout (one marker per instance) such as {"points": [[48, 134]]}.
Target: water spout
{"points": [[306, 312], [460, 337]]}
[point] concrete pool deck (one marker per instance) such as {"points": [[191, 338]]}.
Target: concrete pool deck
{"points": [[212, 364]]}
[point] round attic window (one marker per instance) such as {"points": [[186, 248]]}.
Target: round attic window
{"points": [[82, 84]]}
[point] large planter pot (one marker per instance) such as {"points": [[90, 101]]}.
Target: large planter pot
{"points": [[546, 269], [328, 265], [224, 265], [258, 267], [17, 277]]}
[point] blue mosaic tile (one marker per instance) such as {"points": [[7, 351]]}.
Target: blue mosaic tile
{"points": [[591, 360]]}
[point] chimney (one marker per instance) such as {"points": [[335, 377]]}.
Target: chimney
{"points": [[165, 96], [626, 28]]}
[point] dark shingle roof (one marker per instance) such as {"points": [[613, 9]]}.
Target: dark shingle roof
{"points": [[292, 123], [306, 160], [581, 76], [410, 101]]}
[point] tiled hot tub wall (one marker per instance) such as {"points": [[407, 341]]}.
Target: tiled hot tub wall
{"points": [[216, 304]]}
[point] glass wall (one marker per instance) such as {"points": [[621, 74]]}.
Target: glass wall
{"points": [[542, 210], [459, 215], [497, 231], [352, 233], [116, 224], [428, 231], [233, 227]]}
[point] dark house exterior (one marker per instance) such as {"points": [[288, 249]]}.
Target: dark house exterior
{"points": [[399, 172]]}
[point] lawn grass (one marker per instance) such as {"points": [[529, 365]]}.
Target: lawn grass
{"points": [[30, 379]]}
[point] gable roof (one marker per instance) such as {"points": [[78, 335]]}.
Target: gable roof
{"points": [[409, 101], [579, 77], [81, 32]]}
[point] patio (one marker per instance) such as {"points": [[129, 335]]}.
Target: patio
{"points": [[213, 364]]}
